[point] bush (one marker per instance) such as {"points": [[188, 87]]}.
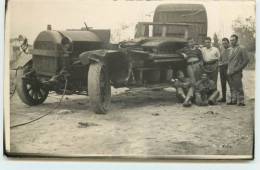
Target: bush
{"points": [[251, 64]]}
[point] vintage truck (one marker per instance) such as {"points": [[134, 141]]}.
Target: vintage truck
{"points": [[84, 62]]}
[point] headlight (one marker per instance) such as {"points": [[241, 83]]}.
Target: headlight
{"points": [[66, 44]]}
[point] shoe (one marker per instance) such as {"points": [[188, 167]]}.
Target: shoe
{"points": [[222, 100], [241, 104], [186, 104], [204, 104], [231, 103], [211, 102]]}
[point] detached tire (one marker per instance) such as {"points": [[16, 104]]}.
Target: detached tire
{"points": [[99, 88], [30, 91]]}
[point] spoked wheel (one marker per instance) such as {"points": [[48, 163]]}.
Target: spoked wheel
{"points": [[99, 88], [29, 89]]}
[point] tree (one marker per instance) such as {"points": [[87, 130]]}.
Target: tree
{"points": [[118, 33], [245, 29], [216, 41]]}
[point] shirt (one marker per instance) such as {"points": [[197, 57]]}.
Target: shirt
{"points": [[210, 54], [205, 86], [191, 54], [224, 55]]}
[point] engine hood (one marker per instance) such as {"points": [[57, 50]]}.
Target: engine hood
{"points": [[158, 42], [153, 42]]}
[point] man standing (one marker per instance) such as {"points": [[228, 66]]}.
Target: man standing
{"points": [[223, 65], [211, 56], [238, 60], [184, 89], [206, 91], [193, 57]]}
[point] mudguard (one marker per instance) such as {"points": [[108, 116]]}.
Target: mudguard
{"points": [[98, 56], [116, 62]]}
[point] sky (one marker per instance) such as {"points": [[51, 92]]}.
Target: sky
{"points": [[29, 17]]}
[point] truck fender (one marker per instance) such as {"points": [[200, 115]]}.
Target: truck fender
{"points": [[116, 62], [101, 56], [86, 57]]}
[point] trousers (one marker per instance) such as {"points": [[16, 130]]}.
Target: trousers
{"points": [[183, 94], [203, 99], [224, 79], [213, 73], [194, 72], [236, 87]]}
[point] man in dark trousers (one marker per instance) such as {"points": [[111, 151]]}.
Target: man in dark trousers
{"points": [[223, 65], [206, 92], [184, 89], [238, 60], [193, 57]]}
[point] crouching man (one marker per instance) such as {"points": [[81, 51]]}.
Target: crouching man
{"points": [[184, 89], [206, 91]]}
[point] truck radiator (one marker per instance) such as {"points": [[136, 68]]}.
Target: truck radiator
{"points": [[45, 65]]}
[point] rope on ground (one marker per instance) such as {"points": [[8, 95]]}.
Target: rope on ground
{"points": [[51, 111]]}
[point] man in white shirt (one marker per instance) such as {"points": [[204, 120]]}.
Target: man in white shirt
{"points": [[211, 56]]}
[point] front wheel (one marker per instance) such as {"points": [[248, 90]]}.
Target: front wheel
{"points": [[99, 88], [29, 89]]}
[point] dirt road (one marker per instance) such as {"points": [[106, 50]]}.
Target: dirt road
{"points": [[141, 122]]}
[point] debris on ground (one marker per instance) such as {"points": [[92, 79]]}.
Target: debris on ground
{"points": [[211, 113], [86, 124], [226, 146], [155, 114], [63, 112]]}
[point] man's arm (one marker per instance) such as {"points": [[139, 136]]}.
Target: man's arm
{"points": [[197, 86], [200, 55], [217, 53], [244, 60], [177, 84], [213, 85], [182, 52]]}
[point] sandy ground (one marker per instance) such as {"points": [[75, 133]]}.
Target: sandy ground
{"points": [[141, 122]]}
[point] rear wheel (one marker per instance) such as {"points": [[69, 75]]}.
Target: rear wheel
{"points": [[99, 88], [29, 89]]}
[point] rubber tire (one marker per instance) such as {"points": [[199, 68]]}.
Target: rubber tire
{"points": [[24, 94], [99, 89]]}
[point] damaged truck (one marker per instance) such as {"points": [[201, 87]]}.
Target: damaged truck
{"points": [[83, 61]]}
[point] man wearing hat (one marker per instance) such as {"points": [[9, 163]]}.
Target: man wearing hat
{"points": [[206, 91]]}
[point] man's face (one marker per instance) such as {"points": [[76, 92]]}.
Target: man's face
{"points": [[181, 76], [225, 44], [207, 43], [233, 41], [191, 43]]}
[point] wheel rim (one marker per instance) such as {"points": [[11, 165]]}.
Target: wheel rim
{"points": [[35, 91]]}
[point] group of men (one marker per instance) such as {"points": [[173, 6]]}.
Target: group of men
{"points": [[203, 65]]}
